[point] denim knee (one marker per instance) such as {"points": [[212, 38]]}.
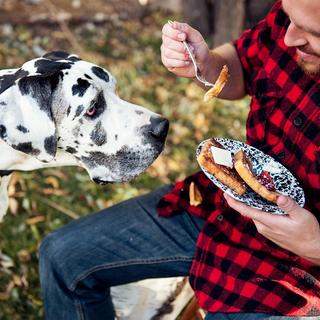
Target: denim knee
{"points": [[49, 252]]}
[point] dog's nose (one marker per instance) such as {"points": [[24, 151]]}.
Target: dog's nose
{"points": [[159, 127]]}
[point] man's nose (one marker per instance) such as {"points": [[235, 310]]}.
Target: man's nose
{"points": [[295, 37]]}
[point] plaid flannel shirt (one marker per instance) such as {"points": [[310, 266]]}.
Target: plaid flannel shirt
{"points": [[236, 269]]}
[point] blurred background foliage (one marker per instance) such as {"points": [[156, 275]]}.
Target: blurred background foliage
{"points": [[125, 38]]}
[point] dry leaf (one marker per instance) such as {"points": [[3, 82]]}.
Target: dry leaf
{"points": [[35, 220], [53, 181], [13, 206]]}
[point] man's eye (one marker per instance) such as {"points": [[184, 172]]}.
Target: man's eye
{"points": [[91, 111]]}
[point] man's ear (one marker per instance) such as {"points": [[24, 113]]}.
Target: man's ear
{"points": [[26, 120]]}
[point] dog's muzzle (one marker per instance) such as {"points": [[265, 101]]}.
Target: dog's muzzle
{"points": [[129, 162]]}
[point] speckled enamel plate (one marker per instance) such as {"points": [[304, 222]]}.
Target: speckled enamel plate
{"points": [[283, 179]]}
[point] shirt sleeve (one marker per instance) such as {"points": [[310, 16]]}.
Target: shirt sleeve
{"points": [[254, 44]]}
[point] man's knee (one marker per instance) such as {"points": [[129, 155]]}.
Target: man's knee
{"points": [[51, 252]]}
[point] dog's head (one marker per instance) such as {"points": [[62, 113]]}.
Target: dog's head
{"points": [[61, 101]]}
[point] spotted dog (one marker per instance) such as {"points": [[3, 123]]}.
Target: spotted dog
{"points": [[59, 110]]}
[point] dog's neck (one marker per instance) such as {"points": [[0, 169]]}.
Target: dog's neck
{"points": [[12, 159]]}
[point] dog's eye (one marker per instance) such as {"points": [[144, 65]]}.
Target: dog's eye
{"points": [[96, 107], [91, 111]]}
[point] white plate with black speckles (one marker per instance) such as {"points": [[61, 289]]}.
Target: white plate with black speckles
{"points": [[285, 183]]}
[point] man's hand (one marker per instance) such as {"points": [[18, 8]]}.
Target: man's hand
{"points": [[174, 55], [298, 231]]}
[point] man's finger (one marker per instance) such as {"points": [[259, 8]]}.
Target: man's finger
{"points": [[172, 33], [182, 31], [252, 213], [288, 205]]}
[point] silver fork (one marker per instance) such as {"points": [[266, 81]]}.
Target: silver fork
{"points": [[199, 77]]}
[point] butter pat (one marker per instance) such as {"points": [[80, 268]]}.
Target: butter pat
{"points": [[222, 157]]}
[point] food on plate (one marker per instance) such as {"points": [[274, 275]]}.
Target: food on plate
{"points": [[226, 175], [218, 85], [235, 171], [262, 184]]}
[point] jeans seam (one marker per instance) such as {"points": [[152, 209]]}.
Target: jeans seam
{"points": [[79, 308], [74, 283]]}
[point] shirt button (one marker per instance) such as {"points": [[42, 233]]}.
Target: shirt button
{"points": [[220, 217], [297, 121]]}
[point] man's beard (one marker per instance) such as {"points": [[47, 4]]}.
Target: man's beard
{"points": [[309, 68]]}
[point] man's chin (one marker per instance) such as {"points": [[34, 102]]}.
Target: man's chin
{"points": [[309, 68]]}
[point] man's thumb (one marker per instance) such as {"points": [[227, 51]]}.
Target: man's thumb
{"points": [[287, 204]]}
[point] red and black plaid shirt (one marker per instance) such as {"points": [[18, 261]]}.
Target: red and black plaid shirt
{"points": [[235, 268]]}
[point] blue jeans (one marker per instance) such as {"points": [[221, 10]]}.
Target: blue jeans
{"points": [[125, 243]]}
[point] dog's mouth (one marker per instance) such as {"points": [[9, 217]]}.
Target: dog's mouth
{"points": [[123, 166]]}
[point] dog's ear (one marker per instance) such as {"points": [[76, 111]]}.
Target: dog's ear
{"points": [[26, 120], [61, 55]]}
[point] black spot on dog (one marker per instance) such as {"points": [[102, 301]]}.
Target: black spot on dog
{"points": [[56, 55], [8, 80], [2, 103], [87, 76], [76, 141], [5, 172], [71, 150], [78, 111], [26, 147], [47, 67], [68, 110], [80, 88], [41, 89], [116, 137], [100, 73], [120, 162], [22, 128], [50, 145], [81, 121], [98, 135], [139, 112], [74, 58], [3, 131]]}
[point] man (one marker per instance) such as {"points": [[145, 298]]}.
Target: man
{"points": [[243, 263]]}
